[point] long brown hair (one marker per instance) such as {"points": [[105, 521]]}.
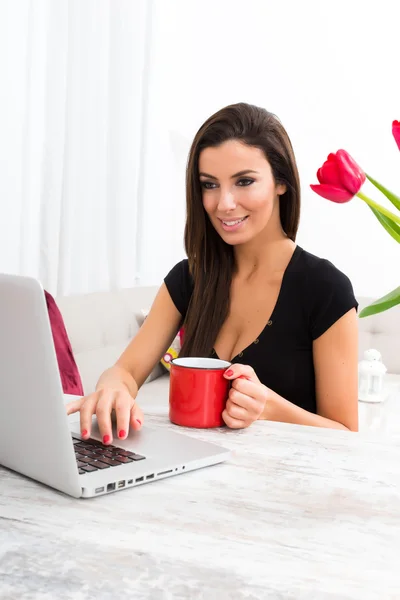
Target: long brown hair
{"points": [[211, 260]]}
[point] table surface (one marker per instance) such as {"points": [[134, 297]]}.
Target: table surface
{"points": [[297, 513], [383, 417]]}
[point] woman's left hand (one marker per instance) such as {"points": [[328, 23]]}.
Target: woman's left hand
{"points": [[247, 397]]}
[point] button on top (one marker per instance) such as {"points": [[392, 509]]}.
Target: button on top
{"points": [[256, 341]]}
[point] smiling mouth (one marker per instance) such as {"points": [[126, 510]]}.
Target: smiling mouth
{"points": [[233, 223]]}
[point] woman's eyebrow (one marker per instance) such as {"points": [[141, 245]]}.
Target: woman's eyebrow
{"points": [[244, 172], [207, 175]]}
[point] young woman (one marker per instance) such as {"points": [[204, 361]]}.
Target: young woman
{"points": [[284, 318]]}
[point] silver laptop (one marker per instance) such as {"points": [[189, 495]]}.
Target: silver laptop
{"points": [[36, 437]]}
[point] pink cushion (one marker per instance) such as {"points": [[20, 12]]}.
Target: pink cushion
{"points": [[70, 378]]}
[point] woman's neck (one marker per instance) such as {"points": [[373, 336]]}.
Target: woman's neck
{"points": [[266, 256]]}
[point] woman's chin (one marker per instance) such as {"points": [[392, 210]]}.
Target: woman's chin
{"points": [[236, 240]]}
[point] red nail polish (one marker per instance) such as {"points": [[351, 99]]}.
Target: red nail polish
{"points": [[84, 433], [122, 433], [229, 373], [138, 420], [106, 438]]}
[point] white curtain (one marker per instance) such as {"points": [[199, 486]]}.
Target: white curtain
{"points": [[72, 121]]}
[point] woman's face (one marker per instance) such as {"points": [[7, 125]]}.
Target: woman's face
{"points": [[240, 195]]}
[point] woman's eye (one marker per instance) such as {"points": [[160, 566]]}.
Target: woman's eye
{"points": [[208, 185], [245, 181]]}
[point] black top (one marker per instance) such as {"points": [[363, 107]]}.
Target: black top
{"points": [[314, 294]]}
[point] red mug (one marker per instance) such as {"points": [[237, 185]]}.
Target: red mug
{"points": [[198, 392]]}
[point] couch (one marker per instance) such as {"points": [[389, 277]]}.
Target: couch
{"points": [[101, 324]]}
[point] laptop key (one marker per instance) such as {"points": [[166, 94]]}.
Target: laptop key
{"points": [[115, 450], [86, 459], [109, 461], [108, 454], [99, 465], [123, 459], [138, 457], [81, 471], [125, 452], [89, 469], [81, 464], [84, 451]]}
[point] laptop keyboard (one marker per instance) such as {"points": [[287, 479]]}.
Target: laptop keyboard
{"points": [[92, 455]]}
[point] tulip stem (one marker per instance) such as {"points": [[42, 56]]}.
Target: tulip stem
{"points": [[379, 208]]}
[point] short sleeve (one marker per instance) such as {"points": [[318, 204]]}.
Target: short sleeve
{"points": [[331, 296], [179, 284]]}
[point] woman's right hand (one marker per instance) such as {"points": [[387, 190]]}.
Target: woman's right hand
{"points": [[102, 403], [140, 357]]}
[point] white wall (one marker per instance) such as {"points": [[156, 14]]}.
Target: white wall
{"points": [[329, 71], [99, 101]]}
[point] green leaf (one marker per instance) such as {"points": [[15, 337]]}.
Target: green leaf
{"points": [[391, 227], [384, 303], [395, 200], [384, 211]]}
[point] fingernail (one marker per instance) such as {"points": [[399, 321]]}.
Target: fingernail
{"points": [[106, 438], [139, 421], [229, 373], [122, 433], [84, 433]]}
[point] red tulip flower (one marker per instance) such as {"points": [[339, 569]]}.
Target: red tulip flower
{"points": [[396, 132], [340, 178]]}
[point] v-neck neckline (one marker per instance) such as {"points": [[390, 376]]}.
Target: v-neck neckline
{"points": [[293, 259]]}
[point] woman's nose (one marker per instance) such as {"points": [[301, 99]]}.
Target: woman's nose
{"points": [[226, 201]]}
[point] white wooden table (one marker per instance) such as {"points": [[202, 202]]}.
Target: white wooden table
{"points": [[298, 513], [383, 417]]}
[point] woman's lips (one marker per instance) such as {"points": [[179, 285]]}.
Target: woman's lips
{"points": [[233, 224]]}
